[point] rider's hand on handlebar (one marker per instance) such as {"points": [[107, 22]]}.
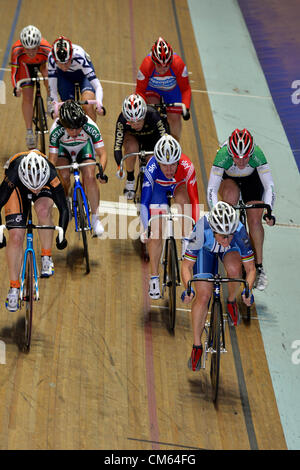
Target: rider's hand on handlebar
{"points": [[144, 237], [269, 221], [3, 243], [247, 300], [120, 173], [187, 115], [17, 92], [99, 108], [185, 298], [61, 245]]}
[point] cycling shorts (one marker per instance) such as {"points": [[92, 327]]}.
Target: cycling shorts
{"points": [[171, 96], [66, 84], [26, 71], [16, 208], [86, 153], [250, 186], [146, 142]]}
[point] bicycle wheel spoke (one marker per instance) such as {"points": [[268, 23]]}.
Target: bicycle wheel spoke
{"points": [[215, 337], [172, 283], [29, 303], [83, 225]]}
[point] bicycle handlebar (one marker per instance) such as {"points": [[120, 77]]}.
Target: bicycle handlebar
{"points": [[184, 111], [33, 79], [76, 166], [258, 205], [45, 227], [217, 279], [142, 153]]}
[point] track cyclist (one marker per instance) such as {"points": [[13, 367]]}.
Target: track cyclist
{"points": [[74, 133], [169, 170], [220, 235], [139, 127], [164, 74], [30, 51], [240, 166], [69, 64], [30, 172]]}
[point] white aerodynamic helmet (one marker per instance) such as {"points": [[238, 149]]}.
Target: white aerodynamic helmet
{"points": [[34, 171], [134, 108], [30, 37], [223, 218], [167, 150]]}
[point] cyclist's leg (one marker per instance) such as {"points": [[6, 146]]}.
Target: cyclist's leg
{"points": [[89, 109], [233, 265], [64, 175], [14, 248], [27, 105], [229, 191], [174, 114], [130, 145]]}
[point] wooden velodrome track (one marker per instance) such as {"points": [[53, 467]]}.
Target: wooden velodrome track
{"points": [[103, 371]]}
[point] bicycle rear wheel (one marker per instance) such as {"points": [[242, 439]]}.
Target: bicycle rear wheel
{"points": [[172, 282], [83, 226], [215, 344], [28, 302], [42, 124]]}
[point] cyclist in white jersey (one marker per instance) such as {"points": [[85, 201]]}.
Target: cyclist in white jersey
{"points": [[69, 64], [240, 167], [74, 133]]}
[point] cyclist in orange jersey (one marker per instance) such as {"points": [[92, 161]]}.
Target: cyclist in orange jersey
{"points": [[30, 51]]}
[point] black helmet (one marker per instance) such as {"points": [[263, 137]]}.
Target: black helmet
{"points": [[71, 115]]}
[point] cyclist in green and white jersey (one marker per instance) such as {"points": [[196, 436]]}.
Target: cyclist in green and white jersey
{"points": [[74, 133], [240, 167]]}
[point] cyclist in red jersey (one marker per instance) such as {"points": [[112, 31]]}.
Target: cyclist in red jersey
{"points": [[164, 74], [30, 51]]}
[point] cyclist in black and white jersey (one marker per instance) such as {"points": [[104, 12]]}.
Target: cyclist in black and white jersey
{"points": [[69, 64], [74, 133], [139, 127], [240, 166]]}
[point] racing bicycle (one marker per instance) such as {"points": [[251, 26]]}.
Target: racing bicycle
{"points": [[169, 258], [29, 288], [215, 328], [39, 114], [80, 204]]}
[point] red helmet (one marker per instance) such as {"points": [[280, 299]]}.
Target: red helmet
{"points": [[240, 144], [62, 50], [162, 52]]}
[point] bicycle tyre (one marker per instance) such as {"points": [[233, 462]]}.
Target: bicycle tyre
{"points": [[83, 224], [172, 282], [215, 344], [42, 126], [28, 302]]}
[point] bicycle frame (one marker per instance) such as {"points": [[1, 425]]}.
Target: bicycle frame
{"points": [[217, 280], [77, 185], [169, 234]]}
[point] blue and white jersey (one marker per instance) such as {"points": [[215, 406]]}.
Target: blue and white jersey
{"points": [[81, 64], [202, 238]]}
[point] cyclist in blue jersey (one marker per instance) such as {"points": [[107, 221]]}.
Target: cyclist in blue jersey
{"points": [[220, 235], [69, 64]]}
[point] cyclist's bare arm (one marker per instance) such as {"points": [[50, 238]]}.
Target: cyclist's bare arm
{"points": [[187, 275], [101, 152]]}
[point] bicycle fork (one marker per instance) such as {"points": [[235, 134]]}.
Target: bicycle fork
{"points": [[75, 203], [29, 249]]}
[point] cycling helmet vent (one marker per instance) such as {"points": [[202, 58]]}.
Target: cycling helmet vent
{"points": [[240, 144], [34, 171], [71, 115], [30, 37], [134, 108], [223, 218], [62, 50], [167, 150], [162, 52]]}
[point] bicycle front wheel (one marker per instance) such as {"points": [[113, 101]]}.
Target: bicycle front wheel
{"points": [[28, 302], [215, 345], [42, 124], [172, 282], [83, 226]]}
